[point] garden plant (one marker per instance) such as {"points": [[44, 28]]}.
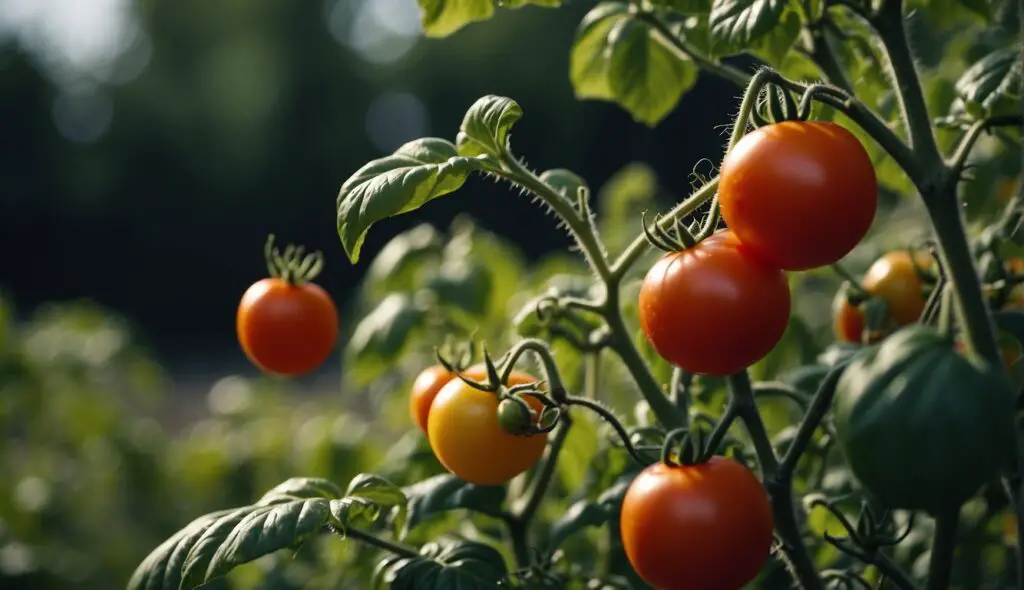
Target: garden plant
{"points": [[657, 408]]}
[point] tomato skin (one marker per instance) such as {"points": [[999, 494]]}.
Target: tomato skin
{"points": [[424, 390], [706, 526], [287, 329], [713, 309], [801, 194], [893, 277], [467, 439]]}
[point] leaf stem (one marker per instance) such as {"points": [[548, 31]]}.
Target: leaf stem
{"points": [[372, 540], [582, 230], [820, 404], [777, 482], [940, 564], [612, 421], [963, 150]]}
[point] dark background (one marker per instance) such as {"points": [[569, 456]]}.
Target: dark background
{"points": [[147, 178]]}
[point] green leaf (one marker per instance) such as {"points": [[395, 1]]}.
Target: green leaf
{"points": [[381, 336], [394, 268], [250, 533], [463, 283], [588, 61], [685, 6], [298, 488], [446, 492], [978, 7], [161, 569], [440, 18], [448, 563], [774, 46], [485, 128], [618, 58], [565, 182], [996, 75], [578, 451], [644, 75], [739, 22], [417, 172], [520, 3], [382, 493]]}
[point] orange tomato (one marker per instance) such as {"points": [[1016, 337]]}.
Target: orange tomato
{"points": [[424, 390], [467, 439], [286, 328], [895, 278]]}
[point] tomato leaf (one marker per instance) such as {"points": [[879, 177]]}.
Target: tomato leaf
{"points": [[381, 492], [685, 6], [382, 334], [417, 172], [565, 182], [990, 78], [446, 492], [440, 18], [298, 488], [463, 283], [521, 3], [775, 45], [394, 268], [486, 125], [618, 58], [161, 569], [739, 22], [448, 563], [581, 515]]}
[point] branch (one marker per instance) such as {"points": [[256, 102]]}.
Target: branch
{"points": [[940, 566], [820, 405], [963, 149], [369, 539], [535, 494]]}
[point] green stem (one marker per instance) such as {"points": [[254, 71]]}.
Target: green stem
{"points": [[581, 229], [621, 342], [955, 255], [591, 374], [940, 565], [547, 361], [526, 509], [612, 421], [520, 546], [963, 149], [820, 405], [889, 25], [893, 572], [374, 541], [685, 52], [639, 245], [778, 483], [739, 128]]}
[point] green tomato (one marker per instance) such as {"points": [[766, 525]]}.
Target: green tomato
{"points": [[922, 427]]}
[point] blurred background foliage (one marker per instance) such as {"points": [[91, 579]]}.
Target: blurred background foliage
{"points": [[149, 148]]}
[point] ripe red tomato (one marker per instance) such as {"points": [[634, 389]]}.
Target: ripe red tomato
{"points": [[895, 278], [424, 390], [801, 194], [467, 439], [286, 328], [706, 526], [714, 309]]}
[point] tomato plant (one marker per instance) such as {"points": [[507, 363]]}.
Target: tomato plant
{"points": [[799, 194], [285, 323], [872, 460]]}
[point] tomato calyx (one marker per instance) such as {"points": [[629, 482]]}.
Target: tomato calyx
{"points": [[868, 534], [697, 443], [676, 238], [294, 266]]}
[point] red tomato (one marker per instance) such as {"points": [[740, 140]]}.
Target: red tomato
{"points": [[467, 438], [800, 194], [286, 328], [714, 309], [424, 390], [848, 320], [706, 526]]}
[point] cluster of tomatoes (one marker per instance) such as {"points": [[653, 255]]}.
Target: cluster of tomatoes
{"points": [[795, 195]]}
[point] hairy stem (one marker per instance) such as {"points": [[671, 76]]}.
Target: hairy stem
{"points": [[778, 484], [940, 565], [909, 95], [582, 230], [374, 541], [639, 245], [963, 150], [820, 405]]}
